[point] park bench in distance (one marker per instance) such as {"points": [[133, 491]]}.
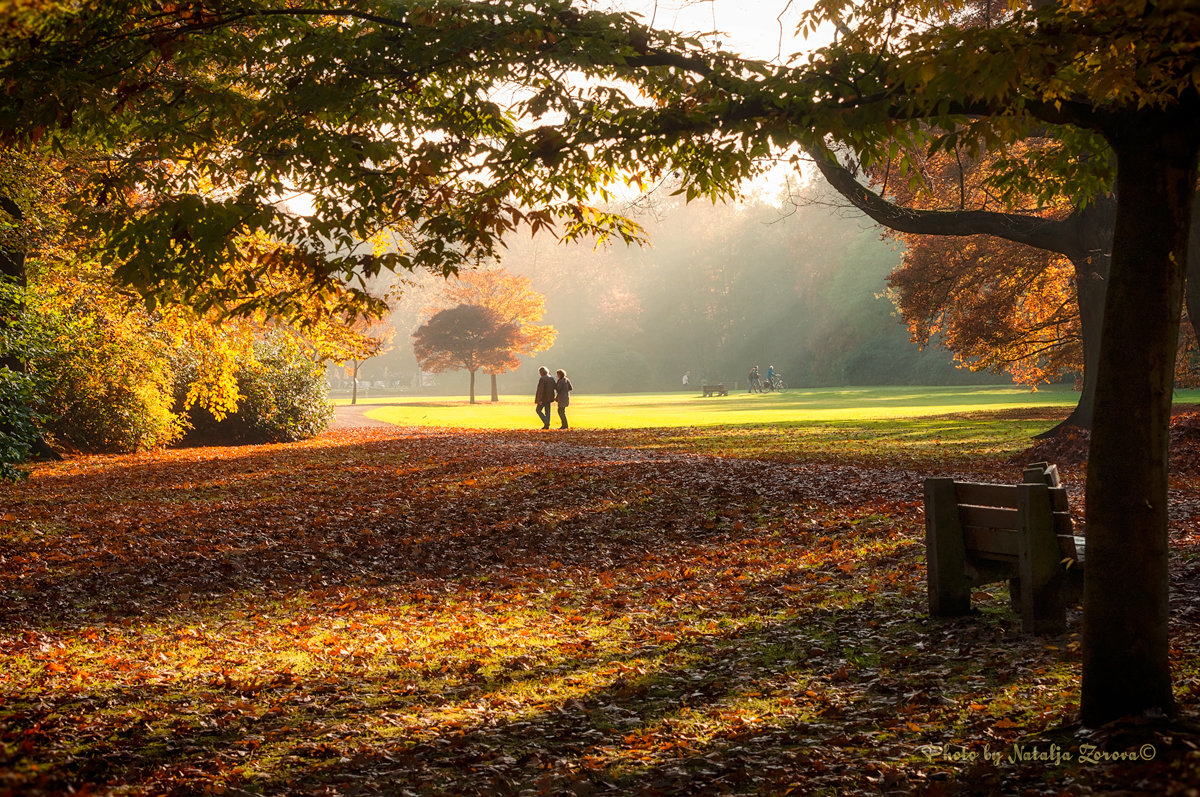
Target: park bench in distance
{"points": [[714, 390], [979, 534]]}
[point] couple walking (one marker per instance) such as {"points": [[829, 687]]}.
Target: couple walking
{"points": [[550, 390]]}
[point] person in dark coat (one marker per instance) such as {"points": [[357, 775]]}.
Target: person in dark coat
{"points": [[544, 396], [562, 390]]}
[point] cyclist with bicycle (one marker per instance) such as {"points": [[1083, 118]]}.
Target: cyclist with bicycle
{"points": [[774, 381]]}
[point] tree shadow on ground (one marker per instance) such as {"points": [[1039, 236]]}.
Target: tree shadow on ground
{"points": [[150, 539], [766, 629]]}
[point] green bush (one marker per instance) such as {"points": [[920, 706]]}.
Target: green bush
{"points": [[18, 419], [283, 399], [18, 422]]}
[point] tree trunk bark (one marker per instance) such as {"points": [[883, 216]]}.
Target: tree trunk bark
{"points": [[1092, 234], [1192, 294], [13, 271], [1125, 637], [354, 385], [1090, 285], [472, 387], [495, 389]]}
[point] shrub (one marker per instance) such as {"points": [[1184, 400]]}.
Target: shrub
{"points": [[18, 422], [105, 380], [283, 398]]}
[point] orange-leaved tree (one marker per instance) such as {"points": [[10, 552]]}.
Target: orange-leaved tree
{"points": [[1010, 279], [515, 301], [997, 305], [468, 337]]}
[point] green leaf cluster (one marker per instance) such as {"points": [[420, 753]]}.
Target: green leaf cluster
{"points": [[439, 127]]}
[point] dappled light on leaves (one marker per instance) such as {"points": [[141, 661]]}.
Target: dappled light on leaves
{"points": [[479, 612]]}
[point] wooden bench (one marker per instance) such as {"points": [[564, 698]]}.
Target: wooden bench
{"points": [[983, 533], [714, 390]]}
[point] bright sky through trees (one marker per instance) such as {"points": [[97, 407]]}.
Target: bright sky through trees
{"points": [[761, 29], [764, 29]]}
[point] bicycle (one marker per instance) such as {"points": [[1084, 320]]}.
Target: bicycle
{"points": [[775, 383]]}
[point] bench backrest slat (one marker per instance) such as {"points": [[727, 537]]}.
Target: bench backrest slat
{"points": [[1004, 495], [986, 494], [991, 531], [991, 517], [992, 543]]}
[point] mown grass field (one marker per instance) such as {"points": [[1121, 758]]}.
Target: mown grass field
{"points": [[694, 609], [918, 426], [689, 408]]}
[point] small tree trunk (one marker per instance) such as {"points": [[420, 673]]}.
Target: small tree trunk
{"points": [[1125, 636], [1192, 295], [1091, 279], [1091, 284], [354, 383], [472, 386], [495, 389]]}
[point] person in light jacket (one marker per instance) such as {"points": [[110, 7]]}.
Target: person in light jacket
{"points": [[562, 390], [544, 396]]}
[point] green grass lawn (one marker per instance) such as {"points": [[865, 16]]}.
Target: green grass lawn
{"points": [[682, 409], [916, 426]]}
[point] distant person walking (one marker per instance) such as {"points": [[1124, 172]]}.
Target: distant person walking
{"points": [[755, 382], [544, 396], [687, 377], [562, 390]]}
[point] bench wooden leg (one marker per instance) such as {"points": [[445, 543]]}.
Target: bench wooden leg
{"points": [[945, 552], [1042, 600]]}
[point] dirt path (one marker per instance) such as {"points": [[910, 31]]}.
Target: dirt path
{"points": [[353, 416]]}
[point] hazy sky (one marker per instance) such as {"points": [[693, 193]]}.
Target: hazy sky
{"points": [[763, 29]]}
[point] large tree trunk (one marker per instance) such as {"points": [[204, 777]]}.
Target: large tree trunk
{"points": [[495, 389], [1089, 293], [13, 271], [472, 386], [1090, 286], [1125, 637]]}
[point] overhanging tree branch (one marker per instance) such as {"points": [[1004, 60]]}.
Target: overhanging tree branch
{"points": [[1033, 231]]}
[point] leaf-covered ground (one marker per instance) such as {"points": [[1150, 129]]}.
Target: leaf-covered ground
{"points": [[403, 611]]}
